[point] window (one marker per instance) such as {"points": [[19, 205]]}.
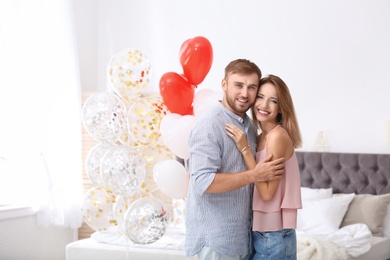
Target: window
{"points": [[40, 138]]}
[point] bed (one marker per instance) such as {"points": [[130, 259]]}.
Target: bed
{"points": [[345, 213], [343, 195]]}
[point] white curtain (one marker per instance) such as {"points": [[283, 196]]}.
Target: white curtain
{"points": [[40, 136]]}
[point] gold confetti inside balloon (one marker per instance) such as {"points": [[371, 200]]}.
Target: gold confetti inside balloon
{"points": [[153, 154], [123, 170], [97, 208], [103, 116], [144, 118], [129, 73], [146, 220]]}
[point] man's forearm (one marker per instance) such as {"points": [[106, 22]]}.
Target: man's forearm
{"points": [[224, 182]]}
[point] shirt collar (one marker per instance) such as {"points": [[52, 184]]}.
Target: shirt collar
{"points": [[232, 115]]}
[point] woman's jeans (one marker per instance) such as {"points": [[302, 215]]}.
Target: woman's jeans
{"points": [[275, 245]]}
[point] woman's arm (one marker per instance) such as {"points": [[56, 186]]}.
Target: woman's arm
{"points": [[276, 147]]}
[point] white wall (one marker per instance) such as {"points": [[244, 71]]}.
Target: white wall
{"points": [[333, 54]]}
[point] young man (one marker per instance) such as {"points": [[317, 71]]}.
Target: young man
{"points": [[218, 211]]}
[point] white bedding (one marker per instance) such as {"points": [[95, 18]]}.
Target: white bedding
{"points": [[356, 239], [92, 249], [311, 248], [349, 241]]}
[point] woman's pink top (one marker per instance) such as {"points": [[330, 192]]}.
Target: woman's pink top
{"points": [[281, 211]]}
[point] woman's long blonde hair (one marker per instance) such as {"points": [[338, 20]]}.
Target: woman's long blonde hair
{"points": [[286, 117]]}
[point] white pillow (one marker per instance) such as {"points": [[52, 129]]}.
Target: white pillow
{"points": [[386, 223], [323, 216], [315, 194]]}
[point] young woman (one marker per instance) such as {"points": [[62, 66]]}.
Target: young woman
{"points": [[275, 203]]}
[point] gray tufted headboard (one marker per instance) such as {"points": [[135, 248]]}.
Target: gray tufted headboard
{"points": [[345, 172]]}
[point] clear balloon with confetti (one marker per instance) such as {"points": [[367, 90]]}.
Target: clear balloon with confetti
{"points": [[146, 220], [129, 73], [153, 154], [123, 170], [144, 118], [121, 206], [93, 162], [104, 116], [97, 209]]}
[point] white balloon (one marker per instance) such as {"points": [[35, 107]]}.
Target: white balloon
{"points": [[171, 178], [175, 130], [204, 100]]}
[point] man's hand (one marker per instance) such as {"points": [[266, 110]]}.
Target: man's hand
{"points": [[267, 170]]}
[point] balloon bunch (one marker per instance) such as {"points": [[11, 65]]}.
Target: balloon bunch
{"points": [[178, 90], [126, 125], [178, 94], [139, 138]]}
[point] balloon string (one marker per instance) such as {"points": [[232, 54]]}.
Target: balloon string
{"points": [[186, 164], [127, 249]]}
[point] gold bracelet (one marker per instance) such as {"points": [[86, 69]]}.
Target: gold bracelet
{"points": [[243, 149]]}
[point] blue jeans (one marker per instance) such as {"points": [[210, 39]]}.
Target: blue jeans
{"points": [[276, 245], [207, 253]]}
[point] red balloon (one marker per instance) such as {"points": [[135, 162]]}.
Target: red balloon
{"points": [[196, 57], [177, 93]]}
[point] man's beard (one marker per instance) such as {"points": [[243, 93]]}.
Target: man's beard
{"points": [[235, 108]]}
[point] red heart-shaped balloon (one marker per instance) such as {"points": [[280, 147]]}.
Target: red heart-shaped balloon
{"points": [[177, 93], [196, 57]]}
